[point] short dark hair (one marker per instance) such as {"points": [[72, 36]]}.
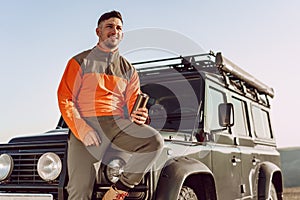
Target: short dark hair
{"points": [[109, 15]]}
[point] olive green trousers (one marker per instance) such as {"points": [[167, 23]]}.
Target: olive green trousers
{"points": [[142, 141]]}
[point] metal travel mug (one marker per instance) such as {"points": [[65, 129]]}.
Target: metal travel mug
{"points": [[140, 102]]}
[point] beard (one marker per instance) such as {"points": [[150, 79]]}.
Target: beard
{"points": [[112, 42]]}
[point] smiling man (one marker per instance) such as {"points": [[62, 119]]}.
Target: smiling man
{"points": [[96, 86]]}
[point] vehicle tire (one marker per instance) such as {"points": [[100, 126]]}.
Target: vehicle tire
{"points": [[187, 193], [273, 193]]}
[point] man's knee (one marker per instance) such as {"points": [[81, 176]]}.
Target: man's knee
{"points": [[157, 142]]}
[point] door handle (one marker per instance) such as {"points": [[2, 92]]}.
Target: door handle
{"points": [[255, 161], [235, 160]]}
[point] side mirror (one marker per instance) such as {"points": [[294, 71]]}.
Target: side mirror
{"points": [[226, 115]]}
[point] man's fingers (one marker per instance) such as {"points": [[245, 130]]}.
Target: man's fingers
{"points": [[142, 111], [91, 138], [140, 116], [95, 138]]}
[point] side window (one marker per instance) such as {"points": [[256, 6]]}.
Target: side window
{"points": [[240, 126], [261, 123], [215, 97]]}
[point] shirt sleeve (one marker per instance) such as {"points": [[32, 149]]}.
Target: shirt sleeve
{"points": [[67, 93], [132, 91]]}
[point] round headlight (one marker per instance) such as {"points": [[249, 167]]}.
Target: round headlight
{"points": [[114, 169], [6, 166], [49, 166]]}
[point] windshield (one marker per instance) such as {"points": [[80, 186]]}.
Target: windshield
{"points": [[174, 103]]}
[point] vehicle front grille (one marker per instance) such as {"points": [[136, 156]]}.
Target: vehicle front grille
{"points": [[25, 168], [25, 159]]}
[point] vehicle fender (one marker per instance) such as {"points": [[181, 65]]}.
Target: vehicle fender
{"points": [[267, 172], [173, 175]]}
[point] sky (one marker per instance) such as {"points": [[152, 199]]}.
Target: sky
{"points": [[37, 39]]}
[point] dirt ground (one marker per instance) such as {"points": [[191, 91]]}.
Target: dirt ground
{"points": [[291, 193]]}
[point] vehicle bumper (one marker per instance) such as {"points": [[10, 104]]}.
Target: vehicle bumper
{"points": [[18, 196]]}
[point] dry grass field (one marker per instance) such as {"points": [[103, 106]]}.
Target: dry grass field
{"points": [[291, 193]]}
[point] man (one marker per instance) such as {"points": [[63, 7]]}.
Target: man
{"points": [[96, 86]]}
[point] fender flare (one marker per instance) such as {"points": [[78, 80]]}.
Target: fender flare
{"points": [[267, 172], [174, 173]]}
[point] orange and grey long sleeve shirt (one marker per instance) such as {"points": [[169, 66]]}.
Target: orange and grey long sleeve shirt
{"points": [[96, 83]]}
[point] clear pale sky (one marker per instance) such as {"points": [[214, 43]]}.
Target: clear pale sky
{"points": [[38, 37]]}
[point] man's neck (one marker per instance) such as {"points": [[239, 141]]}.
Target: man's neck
{"points": [[105, 49]]}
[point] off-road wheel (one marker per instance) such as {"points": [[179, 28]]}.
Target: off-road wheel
{"points": [[187, 193]]}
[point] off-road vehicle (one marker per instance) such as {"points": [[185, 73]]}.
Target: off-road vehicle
{"points": [[219, 142]]}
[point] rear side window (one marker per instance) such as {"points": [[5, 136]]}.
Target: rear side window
{"points": [[261, 123], [240, 126]]}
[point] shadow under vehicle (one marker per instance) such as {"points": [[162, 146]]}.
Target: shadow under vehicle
{"points": [[219, 143]]}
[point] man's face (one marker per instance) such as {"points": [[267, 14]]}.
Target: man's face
{"points": [[110, 33]]}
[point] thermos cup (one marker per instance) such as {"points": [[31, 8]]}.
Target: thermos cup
{"points": [[140, 102]]}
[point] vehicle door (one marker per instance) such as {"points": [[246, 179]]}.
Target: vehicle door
{"points": [[226, 160], [249, 156]]}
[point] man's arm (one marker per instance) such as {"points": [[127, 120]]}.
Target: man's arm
{"points": [[140, 116], [67, 93]]}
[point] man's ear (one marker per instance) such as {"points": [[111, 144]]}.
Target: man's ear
{"points": [[98, 31]]}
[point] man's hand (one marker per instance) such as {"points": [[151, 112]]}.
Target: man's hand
{"points": [[140, 115], [91, 138]]}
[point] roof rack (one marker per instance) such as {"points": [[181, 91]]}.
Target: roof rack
{"points": [[227, 66], [180, 63], [209, 62]]}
